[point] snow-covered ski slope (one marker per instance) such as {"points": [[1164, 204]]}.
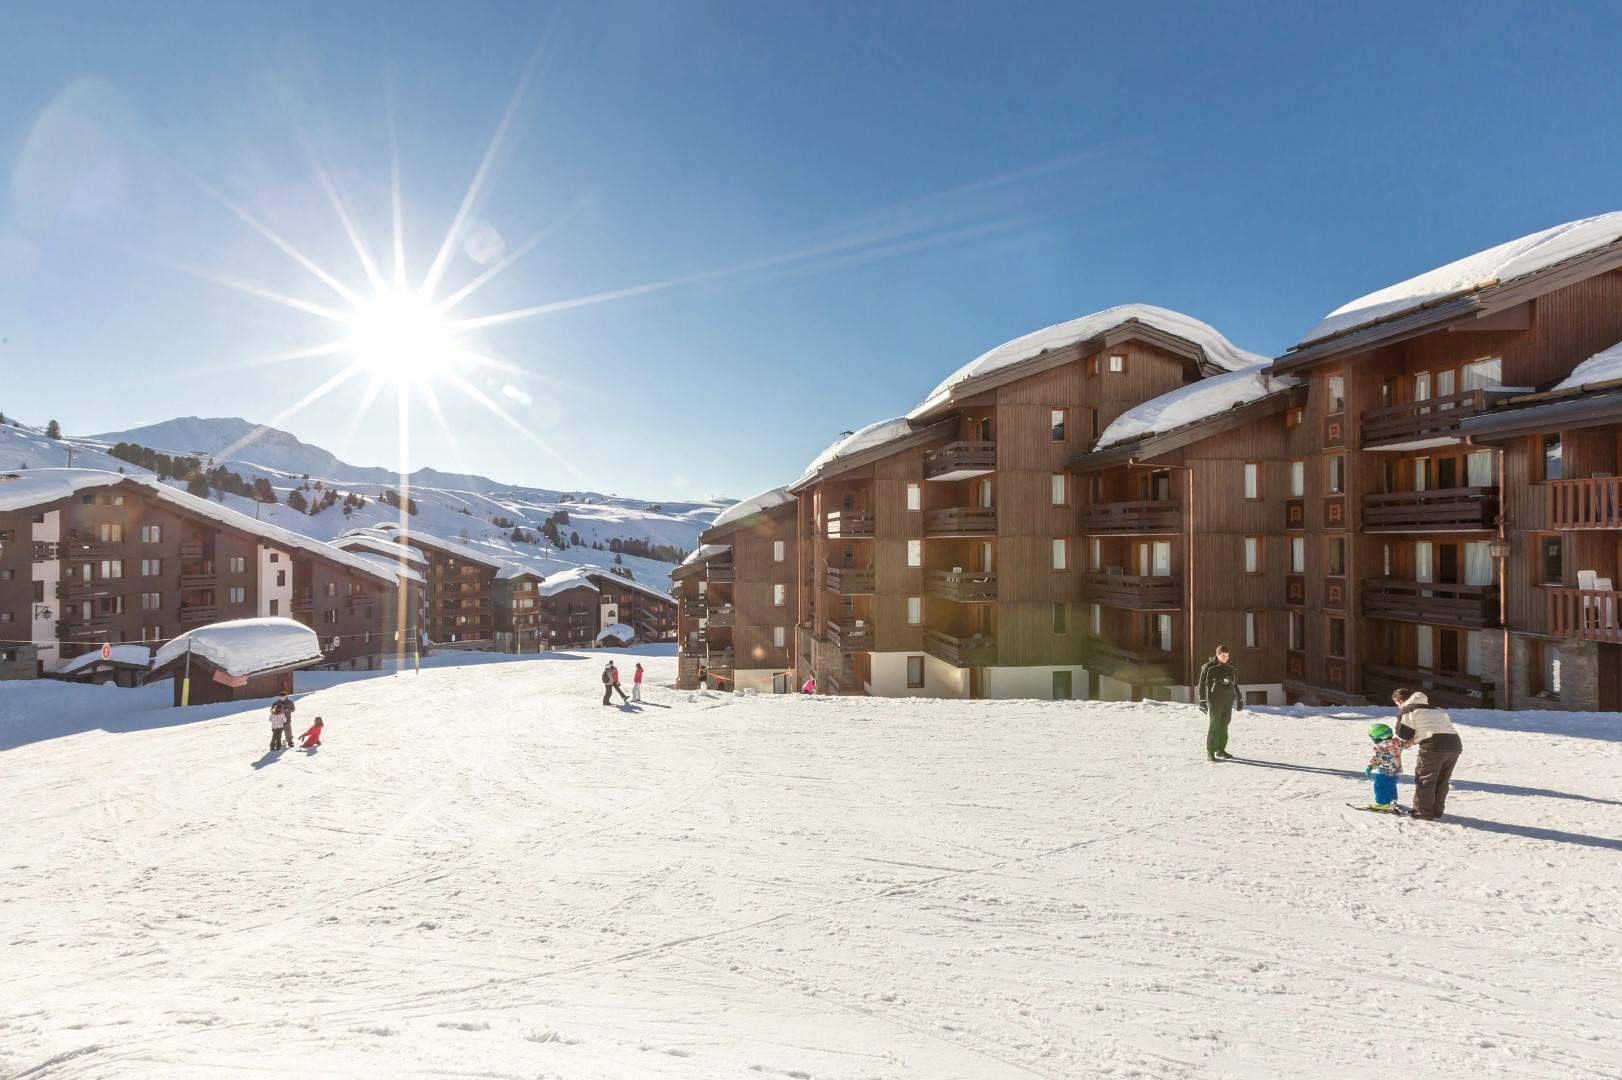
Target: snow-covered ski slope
{"points": [[483, 872]]}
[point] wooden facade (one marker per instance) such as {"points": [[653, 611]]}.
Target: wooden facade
{"points": [[743, 610], [519, 623]]}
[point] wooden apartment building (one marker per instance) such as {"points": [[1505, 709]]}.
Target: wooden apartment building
{"points": [[460, 582]]}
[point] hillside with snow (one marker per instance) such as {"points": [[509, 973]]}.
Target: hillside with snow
{"points": [[476, 509], [484, 872]]}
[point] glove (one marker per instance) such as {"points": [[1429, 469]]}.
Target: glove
{"points": [[1239, 706], [1368, 771]]}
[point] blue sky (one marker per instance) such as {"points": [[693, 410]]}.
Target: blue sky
{"points": [[839, 204]]}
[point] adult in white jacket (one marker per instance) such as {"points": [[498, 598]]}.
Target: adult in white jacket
{"points": [[1418, 721]]}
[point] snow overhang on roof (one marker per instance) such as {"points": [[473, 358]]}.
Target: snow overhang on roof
{"points": [[618, 631], [1217, 351], [738, 513], [870, 437], [1193, 403], [245, 647], [569, 579], [126, 656], [366, 540], [29, 488], [609, 578]]}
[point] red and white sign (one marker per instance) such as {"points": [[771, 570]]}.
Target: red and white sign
{"points": [[106, 652]]}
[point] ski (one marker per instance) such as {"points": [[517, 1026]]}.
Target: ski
{"points": [[1394, 812]]}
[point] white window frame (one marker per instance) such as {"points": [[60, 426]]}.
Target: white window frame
{"points": [[779, 550], [915, 553], [1061, 553], [915, 611], [915, 496]]}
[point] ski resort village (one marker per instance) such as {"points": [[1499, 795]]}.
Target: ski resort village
{"points": [[716, 541]]}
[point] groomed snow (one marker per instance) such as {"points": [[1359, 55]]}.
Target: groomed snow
{"points": [[755, 504], [1602, 367], [1218, 349], [1503, 263], [1196, 401], [485, 872], [868, 438], [246, 646]]}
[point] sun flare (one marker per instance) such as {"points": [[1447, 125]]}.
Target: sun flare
{"points": [[399, 337]]}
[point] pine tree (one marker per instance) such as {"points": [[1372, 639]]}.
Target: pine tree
{"points": [[198, 485], [53, 430], [296, 500]]}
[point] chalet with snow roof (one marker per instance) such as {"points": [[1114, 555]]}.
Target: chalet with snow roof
{"points": [[520, 626], [570, 609], [460, 579], [649, 611], [1454, 518], [750, 593]]}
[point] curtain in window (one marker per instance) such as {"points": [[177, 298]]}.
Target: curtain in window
{"points": [[1472, 653], [1163, 628], [1484, 373], [1162, 566], [1298, 479], [1478, 469], [1422, 561], [1477, 564], [1422, 647]]}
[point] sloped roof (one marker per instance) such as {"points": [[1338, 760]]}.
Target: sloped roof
{"points": [[762, 503], [1194, 402], [868, 438], [245, 647]]}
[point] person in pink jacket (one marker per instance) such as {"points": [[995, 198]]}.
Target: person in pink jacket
{"points": [[636, 684]]}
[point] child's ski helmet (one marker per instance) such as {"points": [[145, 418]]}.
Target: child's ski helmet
{"points": [[1379, 732]]}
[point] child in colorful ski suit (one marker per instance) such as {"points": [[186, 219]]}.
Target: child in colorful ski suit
{"points": [[1384, 767]]}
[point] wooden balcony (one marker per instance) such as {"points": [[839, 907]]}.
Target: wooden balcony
{"points": [[971, 587], [1583, 614], [1594, 502], [1450, 690], [359, 600], [961, 652], [199, 581], [848, 581], [45, 552], [960, 461], [721, 573], [720, 660], [191, 549], [850, 636], [1473, 606], [961, 521], [849, 525], [1133, 518], [91, 549], [694, 609], [1469, 509], [303, 605], [1139, 666], [723, 617], [199, 613], [1432, 422], [1132, 592]]}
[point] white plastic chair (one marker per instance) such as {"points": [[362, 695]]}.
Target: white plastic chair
{"points": [[1606, 605]]}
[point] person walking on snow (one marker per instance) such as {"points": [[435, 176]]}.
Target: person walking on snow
{"points": [[1418, 721], [281, 722], [608, 682], [1219, 695], [636, 684], [312, 738], [1384, 767], [614, 681]]}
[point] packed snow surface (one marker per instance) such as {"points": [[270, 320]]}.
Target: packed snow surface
{"points": [[1196, 401], [1505, 262], [755, 504], [1602, 367], [1218, 349], [868, 438], [246, 646], [485, 872]]}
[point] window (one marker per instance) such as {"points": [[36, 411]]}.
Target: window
{"points": [[1295, 417], [1095, 619], [330, 589], [915, 672], [1253, 630], [1061, 619], [237, 595], [276, 556], [1484, 374], [915, 553], [1157, 632], [110, 534], [779, 636], [779, 550], [1253, 479], [915, 610], [1117, 363], [1092, 365], [1337, 637], [779, 595], [275, 607], [1154, 559], [1298, 630], [1298, 479], [238, 564], [112, 568], [1253, 554], [1095, 554], [1056, 420], [1061, 554], [1060, 486], [329, 617], [281, 577], [151, 567], [1061, 686], [1552, 457], [1336, 563], [1335, 389], [5, 616], [1546, 682], [151, 601], [7, 575], [151, 534], [1551, 563], [1335, 475], [915, 496]]}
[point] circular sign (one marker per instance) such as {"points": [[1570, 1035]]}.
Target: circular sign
{"points": [[106, 652]]}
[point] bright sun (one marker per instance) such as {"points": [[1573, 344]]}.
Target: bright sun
{"points": [[401, 338]]}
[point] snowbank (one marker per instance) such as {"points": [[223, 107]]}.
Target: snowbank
{"points": [[868, 438], [1602, 367], [1218, 349], [246, 646], [1473, 273], [1196, 401]]}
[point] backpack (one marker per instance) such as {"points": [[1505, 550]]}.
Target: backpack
{"points": [[606, 679]]}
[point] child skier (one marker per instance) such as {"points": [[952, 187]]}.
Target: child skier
{"points": [[1384, 767], [312, 738]]}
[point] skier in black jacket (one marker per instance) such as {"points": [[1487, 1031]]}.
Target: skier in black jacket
{"points": [[1219, 695]]}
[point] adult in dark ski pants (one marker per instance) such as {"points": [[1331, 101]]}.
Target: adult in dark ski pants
{"points": [[608, 682], [1219, 695], [1418, 721]]}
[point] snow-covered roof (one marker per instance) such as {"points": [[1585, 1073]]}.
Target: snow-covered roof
{"points": [[1503, 263], [129, 655], [33, 487], [705, 551], [509, 571], [459, 548], [246, 646], [370, 540], [869, 438], [755, 504], [1218, 349], [574, 578], [1602, 367], [393, 567], [1196, 401], [636, 586], [617, 630]]}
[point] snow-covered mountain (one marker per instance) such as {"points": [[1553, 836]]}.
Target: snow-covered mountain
{"points": [[477, 509]]}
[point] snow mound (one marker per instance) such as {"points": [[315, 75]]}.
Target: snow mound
{"points": [[1218, 349], [868, 438], [1602, 367], [1505, 262], [1196, 401], [755, 504], [619, 632], [246, 647]]}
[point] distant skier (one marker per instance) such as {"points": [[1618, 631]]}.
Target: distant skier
{"points": [[810, 685], [1418, 721], [1384, 767], [614, 681], [1219, 695], [636, 684], [312, 738], [281, 722]]}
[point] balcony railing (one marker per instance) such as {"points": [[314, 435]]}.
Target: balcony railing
{"points": [[1447, 689], [961, 521], [850, 636], [1133, 518], [848, 581], [45, 552], [1593, 502], [973, 586], [303, 605], [720, 660], [1584, 614], [694, 609], [960, 460], [1429, 602], [1442, 510], [199, 581], [359, 600], [90, 549], [191, 549], [723, 616], [1432, 420], [849, 524], [721, 573], [199, 613], [976, 651], [1137, 666], [1133, 592]]}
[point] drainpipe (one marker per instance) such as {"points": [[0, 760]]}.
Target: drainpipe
{"points": [[1188, 564]]}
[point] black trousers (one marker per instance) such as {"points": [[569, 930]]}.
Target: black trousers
{"points": [[1431, 778]]}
